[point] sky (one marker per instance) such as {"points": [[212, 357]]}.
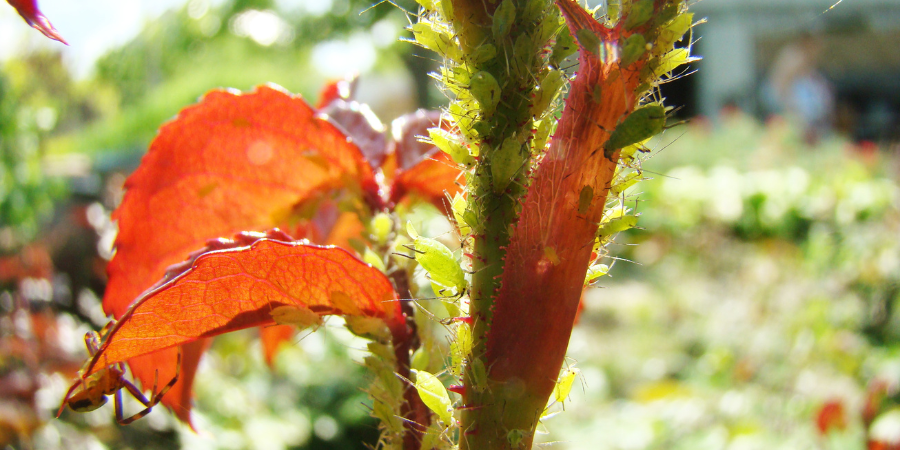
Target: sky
{"points": [[90, 26]]}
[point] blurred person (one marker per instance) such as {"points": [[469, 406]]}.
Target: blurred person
{"points": [[795, 87]]}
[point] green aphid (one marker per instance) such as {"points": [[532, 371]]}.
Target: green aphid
{"points": [[438, 261], [446, 8], [672, 32], [452, 145], [670, 61], [665, 15], [641, 11], [515, 437], [588, 41], [594, 272], [470, 218], [613, 11], [481, 128], [373, 259], [549, 88], [633, 49], [380, 227], [534, 10], [482, 54], [479, 375], [505, 164], [564, 46], [504, 17], [427, 4], [381, 351], [644, 123], [597, 94], [420, 359], [624, 183], [584, 199], [541, 135], [391, 420], [547, 29], [460, 113], [433, 438], [436, 41], [459, 205], [460, 348], [613, 226], [434, 395], [564, 385], [524, 50], [486, 91]]}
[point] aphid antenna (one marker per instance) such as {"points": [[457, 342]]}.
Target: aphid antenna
{"points": [[421, 427], [659, 174], [427, 58], [831, 7], [470, 114], [430, 314], [403, 255], [617, 258], [395, 5], [310, 330], [684, 72]]}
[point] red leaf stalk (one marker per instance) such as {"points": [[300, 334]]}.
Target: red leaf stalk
{"points": [[539, 296]]}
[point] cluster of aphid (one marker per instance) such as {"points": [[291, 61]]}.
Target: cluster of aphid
{"points": [[508, 122], [504, 83]]}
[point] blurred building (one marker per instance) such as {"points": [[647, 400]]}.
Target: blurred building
{"points": [[859, 42]]}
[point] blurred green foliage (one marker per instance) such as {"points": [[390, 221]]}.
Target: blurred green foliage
{"points": [[199, 47], [27, 113]]}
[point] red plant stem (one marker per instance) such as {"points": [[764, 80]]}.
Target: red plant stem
{"points": [[536, 305], [413, 410]]}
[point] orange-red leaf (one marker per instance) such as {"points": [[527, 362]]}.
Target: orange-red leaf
{"points": [[359, 123], [29, 11], [272, 338], [231, 289], [330, 226], [337, 90], [424, 170], [232, 162], [831, 416]]}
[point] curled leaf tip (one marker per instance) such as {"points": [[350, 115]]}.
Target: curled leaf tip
{"points": [[33, 16]]}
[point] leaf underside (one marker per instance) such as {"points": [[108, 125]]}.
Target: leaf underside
{"points": [[232, 289]]}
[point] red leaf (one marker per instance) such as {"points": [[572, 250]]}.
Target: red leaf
{"points": [[29, 11], [831, 416], [232, 289], [233, 162], [337, 90], [272, 337], [358, 122], [424, 170]]}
